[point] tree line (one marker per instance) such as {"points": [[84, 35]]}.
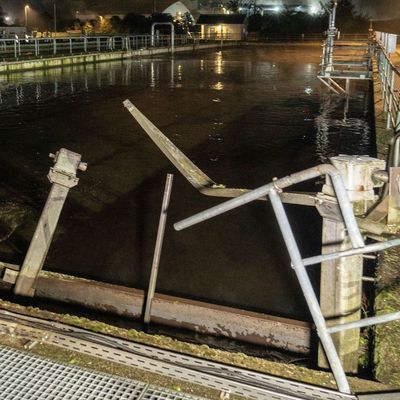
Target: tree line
{"points": [[285, 22]]}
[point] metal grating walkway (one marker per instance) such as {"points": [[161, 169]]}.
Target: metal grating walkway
{"points": [[27, 377]]}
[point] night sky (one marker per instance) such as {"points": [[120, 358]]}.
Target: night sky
{"points": [[375, 8]]}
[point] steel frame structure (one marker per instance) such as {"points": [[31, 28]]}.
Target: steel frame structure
{"points": [[273, 190], [337, 64]]}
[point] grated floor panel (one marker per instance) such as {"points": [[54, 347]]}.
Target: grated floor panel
{"points": [[28, 377]]}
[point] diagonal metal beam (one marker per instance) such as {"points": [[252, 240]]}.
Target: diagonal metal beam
{"points": [[197, 178]]}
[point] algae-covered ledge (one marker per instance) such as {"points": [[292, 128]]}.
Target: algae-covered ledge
{"points": [[284, 370], [387, 337]]}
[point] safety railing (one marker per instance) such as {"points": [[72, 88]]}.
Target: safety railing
{"points": [[28, 48], [273, 190], [389, 76]]}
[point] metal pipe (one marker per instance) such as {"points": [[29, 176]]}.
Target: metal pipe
{"points": [[367, 249], [309, 294], [158, 248], [323, 169], [382, 319], [381, 176]]}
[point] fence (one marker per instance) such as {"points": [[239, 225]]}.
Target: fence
{"points": [[28, 48], [389, 76]]}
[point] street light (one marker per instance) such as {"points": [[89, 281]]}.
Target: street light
{"points": [[27, 8]]}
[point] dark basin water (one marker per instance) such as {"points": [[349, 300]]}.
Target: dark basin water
{"points": [[243, 115]]}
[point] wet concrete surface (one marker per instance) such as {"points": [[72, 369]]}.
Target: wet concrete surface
{"points": [[242, 115]]}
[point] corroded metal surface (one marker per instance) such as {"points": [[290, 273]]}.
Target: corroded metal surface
{"points": [[197, 316]]}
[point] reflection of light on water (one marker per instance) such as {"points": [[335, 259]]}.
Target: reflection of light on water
{"points": [[43, 85], [219, 63], [217, 86], [152, 75], [308, 90], [180, 72], [337, 133], [38, 92]]}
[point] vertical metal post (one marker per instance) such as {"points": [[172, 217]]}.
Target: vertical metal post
{"points": [[341, 280], [391, 93], [63, 177], [309, 293], [158, 248], [70, 45], [55, 18], [36, 47], [54, 46], [173, 38], [394, 196], [85, 45], [347, 87]]}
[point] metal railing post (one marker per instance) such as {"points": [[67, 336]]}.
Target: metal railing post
{"points": [[341, 279], [309, 293], [391, 94], [63, 177], [158, 248]]}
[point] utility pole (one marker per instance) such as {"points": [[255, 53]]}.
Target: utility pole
{"points": [[26, 9], [55, 17], [154, 6]]}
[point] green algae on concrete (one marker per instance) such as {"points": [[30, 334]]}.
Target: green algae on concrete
{"points": [[284, 370], [387, 336]]}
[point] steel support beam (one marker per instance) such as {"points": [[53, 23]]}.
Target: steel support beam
{"points": [[63, 177]]}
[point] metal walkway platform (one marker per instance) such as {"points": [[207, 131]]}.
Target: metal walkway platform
{"points": [[28, 377]]}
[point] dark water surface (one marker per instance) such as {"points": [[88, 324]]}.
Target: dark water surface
{"points": [[243, 115]]}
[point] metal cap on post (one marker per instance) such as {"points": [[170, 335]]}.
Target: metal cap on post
{"points": [[63, 177], [358, 178]]}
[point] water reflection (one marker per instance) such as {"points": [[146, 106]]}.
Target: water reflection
{"points": [[219, 63], [267, 119], [343, 125]]}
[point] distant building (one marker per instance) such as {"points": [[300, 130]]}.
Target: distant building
{"points": [[223, 26], [11, 32]]}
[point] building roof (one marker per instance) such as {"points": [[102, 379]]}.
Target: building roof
{"points": [[217, 19]]}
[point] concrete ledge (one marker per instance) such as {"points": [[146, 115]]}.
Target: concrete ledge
{"points": [[90, 58]]}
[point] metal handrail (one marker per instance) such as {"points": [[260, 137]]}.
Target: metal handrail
{"points": [[311, 173], [389, 76], [16, 48], [273, 190]]}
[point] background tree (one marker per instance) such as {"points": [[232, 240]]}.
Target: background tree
{"points": [[88, 28], [134, 23], [103, 25], [2, 17], [249, 7], [116, 23]]}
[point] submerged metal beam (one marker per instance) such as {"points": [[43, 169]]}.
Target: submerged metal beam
{"points": [[250, 327]]}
